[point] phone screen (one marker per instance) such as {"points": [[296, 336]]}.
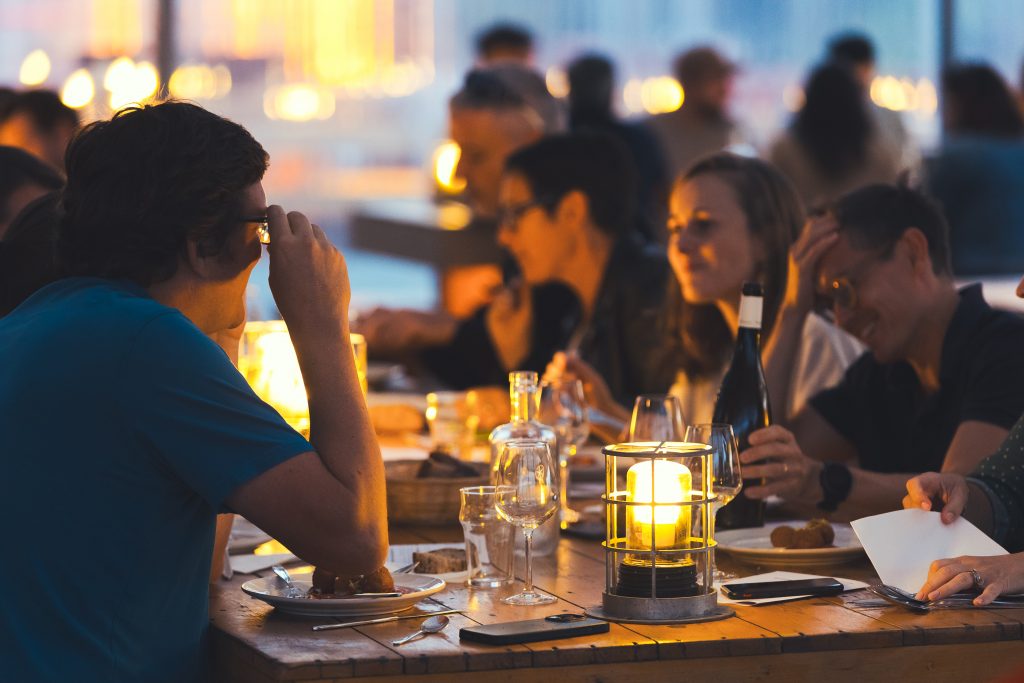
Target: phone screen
{"points": [[782, 589]]}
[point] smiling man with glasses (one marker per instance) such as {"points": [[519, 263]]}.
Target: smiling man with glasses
{"points": [[942, 381]]}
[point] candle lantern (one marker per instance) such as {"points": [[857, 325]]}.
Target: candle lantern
{"points": [[659, 543], [268, 362]]}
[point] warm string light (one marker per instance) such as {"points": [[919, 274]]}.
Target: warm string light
{"points": [[655, 95], [35, 68]]}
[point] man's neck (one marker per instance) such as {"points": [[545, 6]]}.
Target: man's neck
{"points": [[926, 344], [178, 293], [586, 269]]}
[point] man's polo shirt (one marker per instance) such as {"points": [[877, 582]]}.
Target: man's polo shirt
{"points": [[896, 427]]}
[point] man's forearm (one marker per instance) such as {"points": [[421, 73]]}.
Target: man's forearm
{"points": [[873, 493], [340, 428]]}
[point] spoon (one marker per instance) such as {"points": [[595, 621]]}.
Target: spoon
{"points": [[431, 625], [291, 590]]}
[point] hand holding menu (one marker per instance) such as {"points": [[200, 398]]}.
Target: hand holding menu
{"points": [[903, 544]]}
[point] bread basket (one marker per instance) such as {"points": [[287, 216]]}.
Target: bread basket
{"points": [[423, 502]]}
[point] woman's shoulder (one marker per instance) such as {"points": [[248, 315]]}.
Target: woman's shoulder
{"points": [[827, 336]]}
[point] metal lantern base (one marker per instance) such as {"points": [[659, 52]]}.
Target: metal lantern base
{"points": [[687, 610]]}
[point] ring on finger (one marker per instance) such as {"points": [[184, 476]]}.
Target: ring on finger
{"points": [[976, 577]]}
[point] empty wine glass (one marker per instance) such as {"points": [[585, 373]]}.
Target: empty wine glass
{"points": [[726, 480], [564, 409], [527, 496], [656, 417]]}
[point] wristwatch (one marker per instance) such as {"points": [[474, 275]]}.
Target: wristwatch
{"points": [[836, 482]]}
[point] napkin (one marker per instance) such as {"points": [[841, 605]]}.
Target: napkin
{"points": [[901, 545], [250, 564], [848, 585]]}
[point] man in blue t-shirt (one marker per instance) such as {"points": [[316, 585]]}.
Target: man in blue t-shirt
{"points": [[124, 427]]}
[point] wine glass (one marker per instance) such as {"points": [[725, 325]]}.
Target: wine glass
{"points": [[527, 496], [564, 409], [656, 417], [726, 480]]}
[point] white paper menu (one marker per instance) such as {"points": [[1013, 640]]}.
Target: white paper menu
{"points": [[903, 544]]}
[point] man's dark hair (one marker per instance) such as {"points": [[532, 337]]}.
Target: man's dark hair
{"points": [[851, 49], [18, 168], [508, 87], [43, 108], [876, 216], [503, 37], [28, 259], [597, 165], [144, 182], [980, 102]]}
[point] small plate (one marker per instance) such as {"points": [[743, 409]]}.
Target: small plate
{"points": [[754, 546], [271, 590]]}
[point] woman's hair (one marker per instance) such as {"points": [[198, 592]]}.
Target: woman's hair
{"points": [[979, 102], [833, 126], [700, 338], [28, 252]]}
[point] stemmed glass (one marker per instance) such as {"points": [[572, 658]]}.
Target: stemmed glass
{"points": [[527, 496], [656, 417], [726, 480], [564, 408]]}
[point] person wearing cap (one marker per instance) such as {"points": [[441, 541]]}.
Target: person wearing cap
{"points": [[702, 125]]}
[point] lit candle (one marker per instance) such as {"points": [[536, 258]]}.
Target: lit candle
{"points": [[668, 526]]}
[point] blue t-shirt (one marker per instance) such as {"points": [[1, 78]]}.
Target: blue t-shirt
{"points": [[123, 428]]}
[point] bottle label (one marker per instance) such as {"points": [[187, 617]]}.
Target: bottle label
{"points": [[750, 311]]}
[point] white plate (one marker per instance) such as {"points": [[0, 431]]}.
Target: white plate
{"points": [[271, 590], [754, 546]]}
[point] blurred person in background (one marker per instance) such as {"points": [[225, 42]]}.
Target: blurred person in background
{"points": [[28, 252], [504, 42], [942, 381], [23, 179], [978, 172], [732, 219], [591, 89], [566, 212], [496, 111], [833, 145], [38, 122], [856, 51], [702, 125]]}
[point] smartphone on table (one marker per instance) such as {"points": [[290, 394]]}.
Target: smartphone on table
{"points": [[782, 589], [533, 630]]}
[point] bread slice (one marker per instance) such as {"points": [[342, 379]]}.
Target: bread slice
{"points": [[440, 561]]}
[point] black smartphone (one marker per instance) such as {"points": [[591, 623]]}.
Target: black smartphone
{"points": [[781, 589], [533, 630]]}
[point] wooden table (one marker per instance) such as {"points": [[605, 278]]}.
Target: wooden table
{"points": [[827, 639]]}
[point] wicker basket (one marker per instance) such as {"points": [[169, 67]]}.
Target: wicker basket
{"points": [[432, 502]]}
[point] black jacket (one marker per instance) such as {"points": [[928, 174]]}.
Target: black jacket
{"points": [[621, 341]]}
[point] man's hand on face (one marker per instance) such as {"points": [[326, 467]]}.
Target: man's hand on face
{"points": [[308, 275]]}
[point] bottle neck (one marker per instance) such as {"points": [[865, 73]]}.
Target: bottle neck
{"points": [[524, 403]]}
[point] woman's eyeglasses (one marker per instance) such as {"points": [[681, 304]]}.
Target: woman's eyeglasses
{"points": [[262, 227]]}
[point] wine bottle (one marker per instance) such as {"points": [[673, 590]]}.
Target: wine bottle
{"points": [[743, 402]]}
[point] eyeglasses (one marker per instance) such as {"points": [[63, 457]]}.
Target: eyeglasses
{"points": [[508, 216], [262, 227], [841, 292]]}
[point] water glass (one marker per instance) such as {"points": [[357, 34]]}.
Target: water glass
{"points": [[564, 409], [452, 419], [488, 538]]}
